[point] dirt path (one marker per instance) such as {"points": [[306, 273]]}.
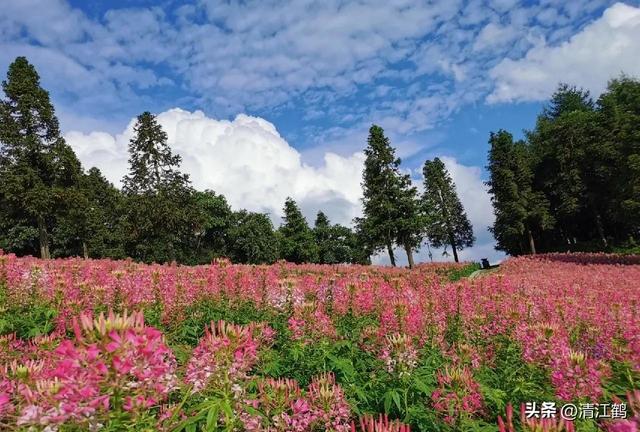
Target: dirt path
{"points": [[483, 272]]}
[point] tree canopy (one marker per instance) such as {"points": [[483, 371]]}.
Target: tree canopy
{"points": [[446, 221]]}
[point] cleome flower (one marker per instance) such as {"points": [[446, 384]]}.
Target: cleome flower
{"points": [[577, 376], [223, 358], [399, 354], [279, 407], [328, 403], [309, 323], [116, 365], [380, 424], [632, 423], [534, 424], [458, 394]]}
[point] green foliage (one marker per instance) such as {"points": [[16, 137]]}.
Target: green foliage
{"points": [[337, 244], [251, 238], [461, 273], [391, 213], [510, 379], [447, 222], [520, 212], [297, 243], [212, 221], [26, 317], [38, 169], [574, 184]]}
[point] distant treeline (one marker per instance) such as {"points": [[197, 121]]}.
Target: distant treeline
{"points": [[573, 183], [51, 207]]}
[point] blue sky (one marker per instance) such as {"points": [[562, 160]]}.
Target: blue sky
{"points": [[266, 99]]}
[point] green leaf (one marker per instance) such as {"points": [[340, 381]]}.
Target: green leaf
{"points": [[212, 417]]}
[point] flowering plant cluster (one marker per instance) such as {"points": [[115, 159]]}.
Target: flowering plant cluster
{"points": [[399, 354], [457, 396], [115, 364], [534, 424], [309, 323], [223, 358], [280, 405], [310, 347], [380, 424], [631, 424]]}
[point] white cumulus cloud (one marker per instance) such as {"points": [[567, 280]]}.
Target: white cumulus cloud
{"points": [[245, 159], [601, 51]]}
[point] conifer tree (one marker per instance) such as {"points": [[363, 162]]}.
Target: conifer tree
{"points": [[160, 218], [410, 222], [519, 211], [389, 202], [447, 222], [297, 241], [36, 164], [325, 243], [563, 148]]}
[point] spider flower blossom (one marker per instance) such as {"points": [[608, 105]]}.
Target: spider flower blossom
{"points": [[577, 376], [381, 424], [534, 424], [399, 355], [631, 424], [328, 403], [224, 356], [310, 323], [458, 394], [282, 408], [114, 363]]}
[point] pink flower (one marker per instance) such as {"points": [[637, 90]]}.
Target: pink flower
{"points": [[224, 356], [458, 395], [380, 424]]}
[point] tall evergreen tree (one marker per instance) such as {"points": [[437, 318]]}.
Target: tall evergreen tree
{"points": [[297, 241], [519, 211], [619, 119], [160, 218], [447, 221], [323, 233], [152, 165], [410, 222], [389, 201], [563, 145], [35, 162]]}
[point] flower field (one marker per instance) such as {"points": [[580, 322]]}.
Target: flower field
{"points": [[117, 345]]}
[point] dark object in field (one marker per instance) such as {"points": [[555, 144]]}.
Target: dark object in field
{"points": [[485, 263]]}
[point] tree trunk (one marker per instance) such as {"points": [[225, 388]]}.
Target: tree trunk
{"points": [[455, 252], [453, 247], [430, 254], [44, 238], [391, 257], [85, 250], [409, 255], [532, 244]]}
